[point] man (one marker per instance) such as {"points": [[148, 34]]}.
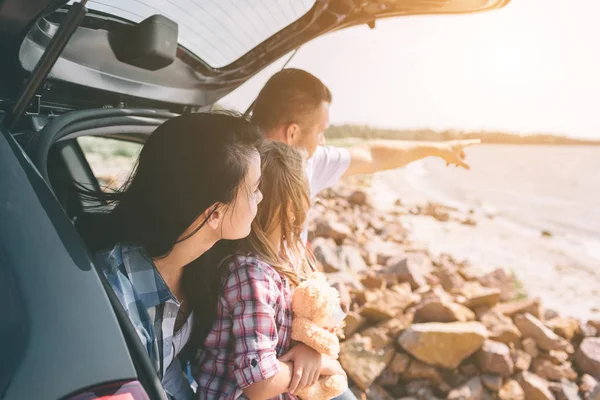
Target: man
{"points": [[293, 107]]}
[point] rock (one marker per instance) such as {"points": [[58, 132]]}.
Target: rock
{"points": [[471, 390], [494, 358], [419, 388], [534, 387], [556, 357], [381, 252], [400, 322], [499, 279], [351, 256], [443, 311], [418, 370], [400, 363], [521, 359], [548, 370], [531, 327], [531, 306], [376, 392], [379, 337], [392, 302], [530, 347], [361, 362], [565, 390], [354, 321], [325, 251], [410, 268], [358, 198], [501, 328], [449, 277], [493, 383], [565, 327], [511, 390], [336, 259], [479, 296], [436, 211], [595, 394], [594, 324], [443, 344], [587, 357], [373, 282], [587, 383], [388, 378], [587, 330], [469, 369], [549, 314], [333, 230]]}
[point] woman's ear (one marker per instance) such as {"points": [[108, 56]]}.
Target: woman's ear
{"points": [[215, 217]]}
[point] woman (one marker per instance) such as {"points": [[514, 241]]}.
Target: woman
{"points": [[196, 182], [244, 329]]}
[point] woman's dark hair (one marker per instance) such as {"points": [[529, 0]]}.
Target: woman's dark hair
{"points": [[187, 165]]}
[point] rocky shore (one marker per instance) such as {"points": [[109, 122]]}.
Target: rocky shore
{"points": [[422, 326]]}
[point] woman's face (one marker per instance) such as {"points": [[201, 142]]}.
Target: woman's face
{"points": [[238, 216]]}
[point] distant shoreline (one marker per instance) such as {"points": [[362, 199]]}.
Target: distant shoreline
{"points": [[341, 132]]}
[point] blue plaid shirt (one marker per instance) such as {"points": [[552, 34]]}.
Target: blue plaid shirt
{"points": [[152, 309]]}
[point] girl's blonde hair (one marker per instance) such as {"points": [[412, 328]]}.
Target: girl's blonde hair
{"points": [[285, 205]]}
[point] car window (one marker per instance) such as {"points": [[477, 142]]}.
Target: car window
{"points": [[218, 31], [111, 160]]}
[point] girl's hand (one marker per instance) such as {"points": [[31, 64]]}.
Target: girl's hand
{"points": [[331, 367], [307, 366]]}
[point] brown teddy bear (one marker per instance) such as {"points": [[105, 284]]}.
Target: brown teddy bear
{"points": [[316, 307]]}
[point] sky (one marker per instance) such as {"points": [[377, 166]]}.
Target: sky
{"points": [[531, 67]]}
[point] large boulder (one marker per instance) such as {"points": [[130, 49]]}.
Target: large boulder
{"points": [[361, 362], [494, 358], [565, 390], [443, 344], [587, 357], [531, 327]]}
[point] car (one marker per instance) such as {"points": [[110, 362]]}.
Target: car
{"points": [[113, 70]]}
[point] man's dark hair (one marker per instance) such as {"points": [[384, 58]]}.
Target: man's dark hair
{"points": [[289, 96]]}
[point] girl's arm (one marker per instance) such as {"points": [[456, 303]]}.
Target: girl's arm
{"points": [[251, 293]]}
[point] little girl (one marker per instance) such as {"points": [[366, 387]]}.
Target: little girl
{"points": [[245, 333]]}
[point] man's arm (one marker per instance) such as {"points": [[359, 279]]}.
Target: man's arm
{"points": [[383, 155]]}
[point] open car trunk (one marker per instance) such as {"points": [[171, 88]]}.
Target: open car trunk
{"points": [[221, 44]]}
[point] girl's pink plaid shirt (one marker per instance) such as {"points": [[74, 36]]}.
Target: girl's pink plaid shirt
{"points": [[252, 331]]}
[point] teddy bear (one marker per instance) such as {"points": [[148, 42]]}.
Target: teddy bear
{"points": [[316, 307]]}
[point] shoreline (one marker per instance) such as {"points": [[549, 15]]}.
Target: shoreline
{"points": [[558, 271]]}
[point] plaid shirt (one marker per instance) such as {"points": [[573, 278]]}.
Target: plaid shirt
{"points": [[252, 330], [151, 307]]}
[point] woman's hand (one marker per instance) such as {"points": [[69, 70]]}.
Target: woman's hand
{"points": [[331, 366], [307, 366]]}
